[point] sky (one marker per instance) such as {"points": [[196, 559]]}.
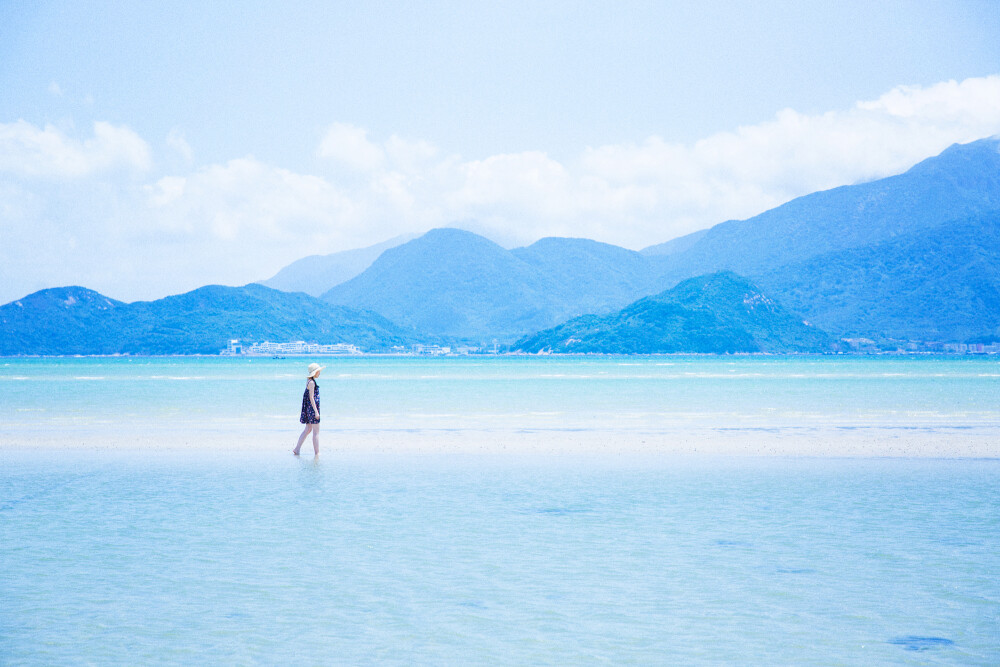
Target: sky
{"points": [[147, 149]]}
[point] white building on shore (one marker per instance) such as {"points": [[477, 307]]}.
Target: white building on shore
{"points": [[299, 347], [431, 350]]}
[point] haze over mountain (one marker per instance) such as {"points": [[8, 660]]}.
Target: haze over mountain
{"points": [[454, 283], [75, 320], [316, 274], [718, 313]]}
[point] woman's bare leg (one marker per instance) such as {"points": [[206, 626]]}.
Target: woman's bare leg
{"points": [[316, 439], [302, 438]]}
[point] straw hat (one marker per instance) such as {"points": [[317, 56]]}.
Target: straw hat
{"points": [[313, 369]]}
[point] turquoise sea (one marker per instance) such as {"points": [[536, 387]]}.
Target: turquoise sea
{"points": [[190, 549], [77, 396]]}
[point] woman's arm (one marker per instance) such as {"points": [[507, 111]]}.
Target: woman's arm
{"points": [[312, 396]]}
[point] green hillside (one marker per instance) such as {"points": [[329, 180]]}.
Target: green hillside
{"points": [[941, 283], [61, 320], [717, 313], [74, 320]]}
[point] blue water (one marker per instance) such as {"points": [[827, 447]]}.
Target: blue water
{"points": [[192, 556], [70, 395]]}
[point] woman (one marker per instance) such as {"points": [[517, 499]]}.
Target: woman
{"points": [[310, 409]]}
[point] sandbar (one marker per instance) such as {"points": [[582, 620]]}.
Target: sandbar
{"points": [[853, 441]]}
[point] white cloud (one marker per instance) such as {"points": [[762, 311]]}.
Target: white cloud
{"points": [[239, 221], [971, 103], [529, 180], [349, 145], [249, 200], [54, 89], [27, 150], [177, 142], [644, 193], [743, 172], [165, 191], [408, 155]]}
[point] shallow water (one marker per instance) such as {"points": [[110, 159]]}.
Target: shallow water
{"points": [[181, 557], [192, 555]]}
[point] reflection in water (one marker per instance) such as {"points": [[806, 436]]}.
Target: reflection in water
{"points": [[160, 556]]}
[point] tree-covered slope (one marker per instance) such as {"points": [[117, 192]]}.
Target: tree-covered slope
{"points": [[716, 313], [941, 283], [203, 321], [60, 320], [197, 322]]}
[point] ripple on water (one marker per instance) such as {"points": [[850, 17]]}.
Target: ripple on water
{"points": [[561, 511], [919, 643]]}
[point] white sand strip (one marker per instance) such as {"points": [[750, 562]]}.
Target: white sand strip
{"points": [[978, 442]]}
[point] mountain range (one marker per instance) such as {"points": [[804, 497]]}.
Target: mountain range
{"points": [[456, 284], [915, 256], [927, 237]]}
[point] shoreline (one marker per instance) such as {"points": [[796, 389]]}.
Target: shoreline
{"points": [[530, 355]]}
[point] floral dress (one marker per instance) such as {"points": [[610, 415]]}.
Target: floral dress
{"points": [[308, 416]]}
